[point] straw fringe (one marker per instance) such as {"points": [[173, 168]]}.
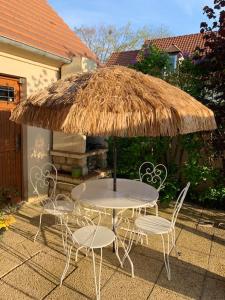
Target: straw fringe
{"points": [[115, 101]]}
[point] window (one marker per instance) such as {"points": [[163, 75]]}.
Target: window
{"points": [[7, 93], [173, 61]]}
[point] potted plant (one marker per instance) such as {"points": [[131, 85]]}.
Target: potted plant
{"points": [[9, 195], [5, 222]]}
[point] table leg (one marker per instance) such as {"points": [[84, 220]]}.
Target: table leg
{"points": [[114, 226]]}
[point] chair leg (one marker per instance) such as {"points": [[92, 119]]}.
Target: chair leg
{"points": [[39, 227], [173, 235], [138, 237], [77, 252], [97, 280], [63, 239], [68, 255], [166, 255], [126, 254], [117, 252], [146, 239]]}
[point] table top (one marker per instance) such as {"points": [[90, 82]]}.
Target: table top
{"points": [[130, 193]]}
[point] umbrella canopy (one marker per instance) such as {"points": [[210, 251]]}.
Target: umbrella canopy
{"points": [[115, 101]]}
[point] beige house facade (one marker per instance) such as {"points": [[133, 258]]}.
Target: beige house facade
{"points": [[31, 67]]}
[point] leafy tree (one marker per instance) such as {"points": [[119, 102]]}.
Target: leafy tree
{"points": [[188, 77], [188, 157], [154, 62], [105, 39], [214, 52], [213, 62]]}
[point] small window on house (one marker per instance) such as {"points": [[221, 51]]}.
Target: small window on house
{"points": [[173, 61], [7, 93]]}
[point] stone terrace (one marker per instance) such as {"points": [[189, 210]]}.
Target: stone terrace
{"points": [[31, 270]]}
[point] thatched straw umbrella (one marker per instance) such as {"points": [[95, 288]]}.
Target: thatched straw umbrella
{"points": [[115, 101]]}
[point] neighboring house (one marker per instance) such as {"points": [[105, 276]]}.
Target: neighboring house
{"points": [[176, 46], [36, 49]]}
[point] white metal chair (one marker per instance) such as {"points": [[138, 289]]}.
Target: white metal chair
{"points": [[148, 224], [44, 180], [154, 175], [91, 237]]}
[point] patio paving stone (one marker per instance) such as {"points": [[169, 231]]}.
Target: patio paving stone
{"points": [[145, 268], [193, 239], [11, 238], [10, 292], [148, 251], [122, 286], [109, 258], [184, 282], [25, 280], [214, 215], [14, 255], [213, 289], [217, 267], [82, 279], [160, 293], [25, 229], [190, 260], [8, 262], [65, 293], [50, 264], [30, 210], [218, 246], [220, 232], [146, 271]]}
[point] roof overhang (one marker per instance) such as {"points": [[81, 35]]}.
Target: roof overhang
{"points": [[34, 50]]}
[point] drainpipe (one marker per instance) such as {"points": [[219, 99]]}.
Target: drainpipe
{"points": [[34, 50]]}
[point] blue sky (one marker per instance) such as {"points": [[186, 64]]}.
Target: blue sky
{"points": [[179, 16]]}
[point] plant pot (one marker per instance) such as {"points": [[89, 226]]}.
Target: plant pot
{"points": [[76, 172]]}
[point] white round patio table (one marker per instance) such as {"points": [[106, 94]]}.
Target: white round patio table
{"points": [[130, 194]]}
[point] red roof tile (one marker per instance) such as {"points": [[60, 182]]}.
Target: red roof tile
{"points": [[185, 43], [124, 58], [36, 24]]}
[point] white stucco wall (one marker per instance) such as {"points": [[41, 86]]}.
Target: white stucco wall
{"points": [[88, 65], [78, 64], [36, 141]]}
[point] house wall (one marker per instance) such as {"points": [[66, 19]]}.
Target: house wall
{"points": [[39, 72], [87, 64], [71, 142], [78, 64], [36, 141]]}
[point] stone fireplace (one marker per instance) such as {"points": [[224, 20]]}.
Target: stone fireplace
{"points": [[78, 158]]}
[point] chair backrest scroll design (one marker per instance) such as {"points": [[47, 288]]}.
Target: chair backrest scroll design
{"points": [[153, 174], [41, 179]]}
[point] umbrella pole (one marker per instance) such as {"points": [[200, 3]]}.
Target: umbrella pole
{"points": [[114, 164], [114, 184]]}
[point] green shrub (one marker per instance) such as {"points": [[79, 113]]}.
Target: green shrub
{"points": [[206, 187]]}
